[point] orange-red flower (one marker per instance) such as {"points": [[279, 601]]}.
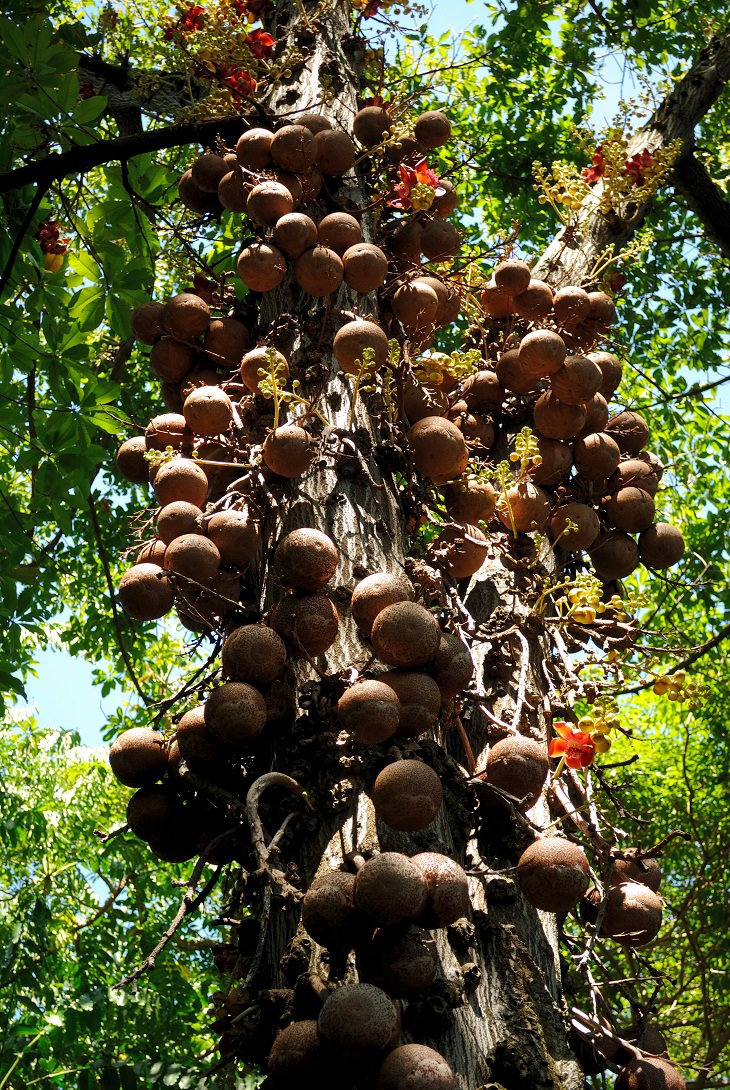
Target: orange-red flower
{"points": [[575, 746], [597, 168], [419, 179], [636, 165], [260, 43], [237, 80]]}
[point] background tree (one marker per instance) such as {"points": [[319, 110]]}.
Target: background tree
{"points": [[61, 449]]}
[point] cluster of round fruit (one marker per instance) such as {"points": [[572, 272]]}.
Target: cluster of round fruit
{"points": [[603, 477], [386, 912]]}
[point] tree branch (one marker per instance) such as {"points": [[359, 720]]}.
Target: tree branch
{"points": [[706, 199], [80, 159], [571, 256]]}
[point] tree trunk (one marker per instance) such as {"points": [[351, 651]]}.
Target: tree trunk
{"points": [[496, 1010]]}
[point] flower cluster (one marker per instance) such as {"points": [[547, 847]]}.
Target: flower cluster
{"points": [[220, 46], [636, 168], [675, 687], [527, 450], [417, 189], [53, 245]]}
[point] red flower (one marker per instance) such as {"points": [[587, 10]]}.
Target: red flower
{"points": [[238, 81], [592, 173], [575, 746], [192, 20], [86, 90], [411, 177], [636, 165], [260, 43], [49, 238], [259, 8]]}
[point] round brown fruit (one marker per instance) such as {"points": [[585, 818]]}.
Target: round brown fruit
{"points": [[645, 871], [350, 343], [649, 1073], [261, 266], [253, 653], [401, 960], [167, 430], [152, 552], [596, 456], [602, 313], [405, 634], [519, 766], [194, 198], [374, 593], [570, 306], [495, 302], [577, 380], [371, 125], [556, 463], [611, 370], [268, 202], [447, 202], [295, 233], [512, 276], [447, 889], [145, 592], [418, 1067], [130, 460], [306, 559], [370, 711], [296, 1055], [307, 622], [193, 557], [483, 392], [630, 431], [630, 509], [596, 415], [138, 757], [335, 152], [258, 360], [513, 373], [661, 546], [236, 536], [227, 339], [523, 508], [253, 149], [556, 420], [329, 915], [289, 451], [235, 713], [452, 668], [390, 889], [178, 518], [407, 795], [319, 271], [154, 812], [432, 129], [553, 874], [633, 914], [614, 555], [415, 304], [465, 548], [535, 302], [180, 479], [438, 449], [338, 231], [364, 267], [207, 410], [439, 239], [233, 191], [186, 315], [585, 520], [293, 148], [542, 352], [635, 472], [470, 501], [170, 360], [147, 322], [420, 700], [207, 171], [358, 1021]]}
